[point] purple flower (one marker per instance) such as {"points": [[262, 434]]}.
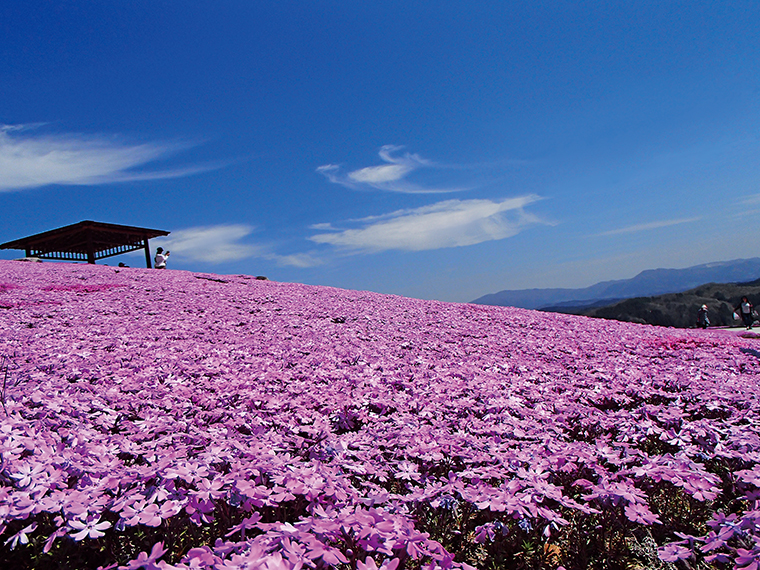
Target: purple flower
{"points": [[147, 561], [370, 564], [91, 528], [640, 513], [21, 536], [748, 559], [673, 553], [52, 538], [198, 558], [327, 554], [27, 473]]}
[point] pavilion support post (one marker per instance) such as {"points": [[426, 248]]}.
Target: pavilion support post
{"points": [[147, 253], [90, 249], [29, 252]]}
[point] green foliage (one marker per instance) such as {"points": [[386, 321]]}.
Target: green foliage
{"points": [[680, 309]]}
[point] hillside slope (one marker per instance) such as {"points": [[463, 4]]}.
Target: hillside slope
{"points": [[166, 419], [676, 309]]}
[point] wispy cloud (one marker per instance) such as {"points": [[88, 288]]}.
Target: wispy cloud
{"points": [[300, 260], [389, 177], [451, 223], [649, 226], [223, 243], [29, 159], [211, 244], [750, 199]]}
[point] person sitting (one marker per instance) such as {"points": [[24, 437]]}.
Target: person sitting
{"points": [[161, 257]]}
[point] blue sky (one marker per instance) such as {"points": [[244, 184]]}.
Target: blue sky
{"points": [[431, 149]]}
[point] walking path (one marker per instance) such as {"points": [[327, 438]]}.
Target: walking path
{"points": [[737, 330]]}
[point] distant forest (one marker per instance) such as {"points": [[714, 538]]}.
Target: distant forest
{"points": [[677, 309]]}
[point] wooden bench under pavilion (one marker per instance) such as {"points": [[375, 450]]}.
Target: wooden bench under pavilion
{"points": [[86, 241]]}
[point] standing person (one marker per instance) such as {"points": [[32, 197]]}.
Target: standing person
{"points": [[702, 320], [161, 257], [744, 309]]}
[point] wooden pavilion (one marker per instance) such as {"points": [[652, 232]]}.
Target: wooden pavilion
{"points": [[86, 241]]}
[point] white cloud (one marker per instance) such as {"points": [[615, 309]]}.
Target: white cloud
{"points": [[389, 177], [222, 243], [649, 226], [31, 160], [323, 227], [211, 244], [395, 170], [300, 260], [451, 223]]}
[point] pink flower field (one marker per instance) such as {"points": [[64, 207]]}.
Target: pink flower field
{"points": [[167, 419]]}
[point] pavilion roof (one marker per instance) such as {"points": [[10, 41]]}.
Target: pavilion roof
{"points": [[85, 241]]}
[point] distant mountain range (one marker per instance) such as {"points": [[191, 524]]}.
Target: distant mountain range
{"points": [[645, 284]]}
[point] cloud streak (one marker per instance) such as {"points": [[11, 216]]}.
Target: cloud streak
{"points": [[223, 243], [649, 226], [211, 244], [451, 223], [31, 160], [750, 199], [388, 177]]}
